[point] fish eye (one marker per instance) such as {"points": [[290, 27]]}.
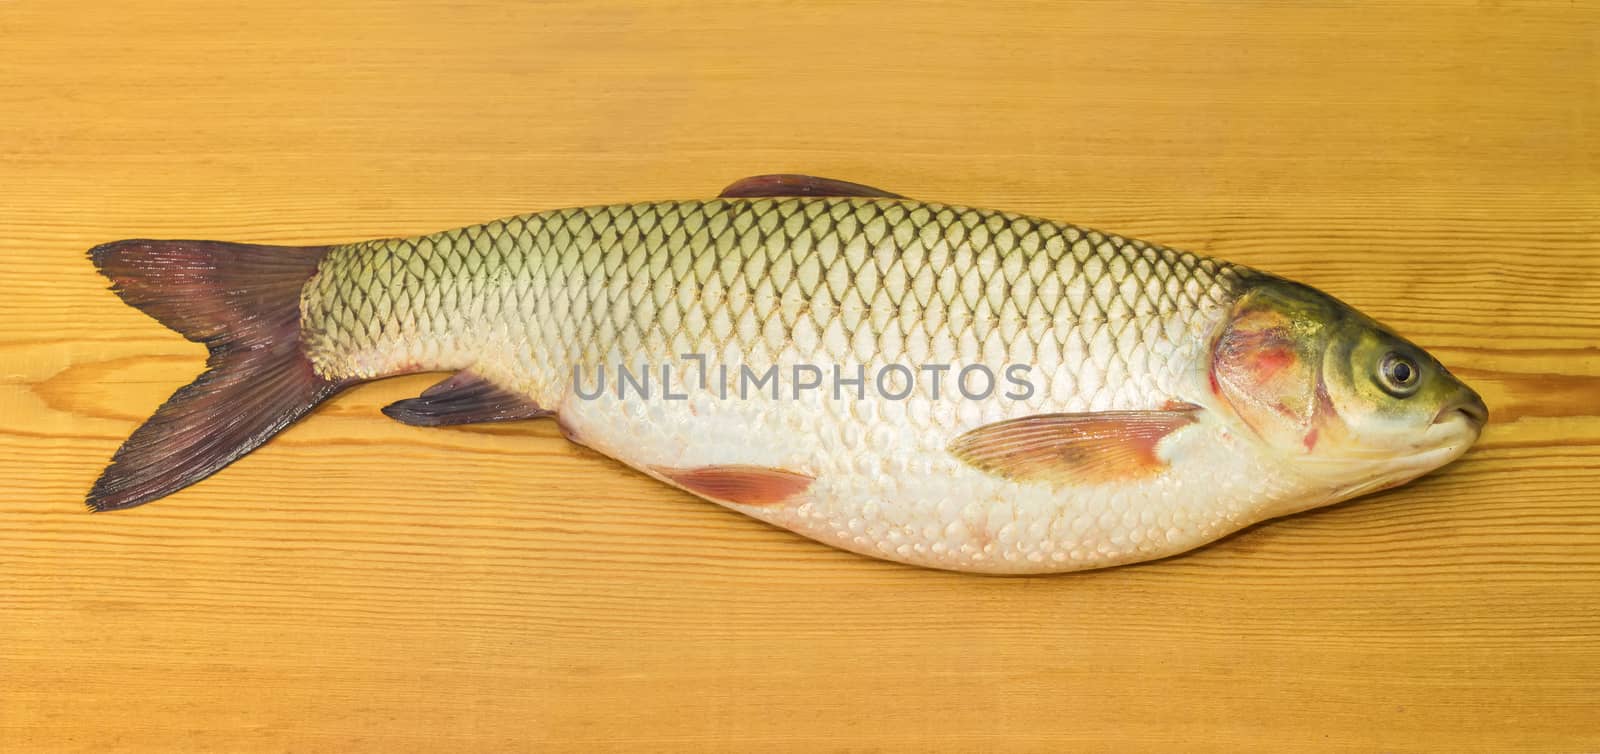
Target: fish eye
{"points": [[1398, 375]]}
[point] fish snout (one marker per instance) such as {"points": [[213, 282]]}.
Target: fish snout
{"points": [[1469, 405]]}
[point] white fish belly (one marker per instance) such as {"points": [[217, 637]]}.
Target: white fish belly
{"points": [[886, 486]]}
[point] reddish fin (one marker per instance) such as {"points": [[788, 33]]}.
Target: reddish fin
{"points": [[243, 302], [1109, 446], [463, 398], [789, 184], [743, 485]]}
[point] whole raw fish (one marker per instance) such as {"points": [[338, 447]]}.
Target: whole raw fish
{"points": [[938, 385]]}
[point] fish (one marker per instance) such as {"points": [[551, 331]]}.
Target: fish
{"points": [[937, 385]]}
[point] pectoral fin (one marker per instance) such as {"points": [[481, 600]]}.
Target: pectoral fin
{"points": [[1093, 448], [463, 398], [788, 184]]}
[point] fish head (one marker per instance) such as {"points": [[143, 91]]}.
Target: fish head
{"points": [[1337, 399]]}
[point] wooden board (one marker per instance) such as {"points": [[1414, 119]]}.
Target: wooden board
{"points": [[359, 585]]}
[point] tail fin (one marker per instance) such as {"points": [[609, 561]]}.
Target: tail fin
{"points": [[243, 302]]}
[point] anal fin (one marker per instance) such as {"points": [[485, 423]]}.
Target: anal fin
{"points": [[463, 398]]}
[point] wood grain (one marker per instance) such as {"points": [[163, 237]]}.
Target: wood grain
{"points": [[363, 585]]}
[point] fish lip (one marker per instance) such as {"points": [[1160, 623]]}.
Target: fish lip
{"points": [[1470, 406]]}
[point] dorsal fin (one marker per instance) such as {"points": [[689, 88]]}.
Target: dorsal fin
{"points": [[790, 184]]}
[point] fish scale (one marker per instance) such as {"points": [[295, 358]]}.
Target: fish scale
{"points": [[569, 283]]}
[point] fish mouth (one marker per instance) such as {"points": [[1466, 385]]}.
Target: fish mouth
{"points": [[1454, 430], [1470, 406]]}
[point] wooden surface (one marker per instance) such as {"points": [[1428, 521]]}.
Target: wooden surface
{"points": [[362, 585]]}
